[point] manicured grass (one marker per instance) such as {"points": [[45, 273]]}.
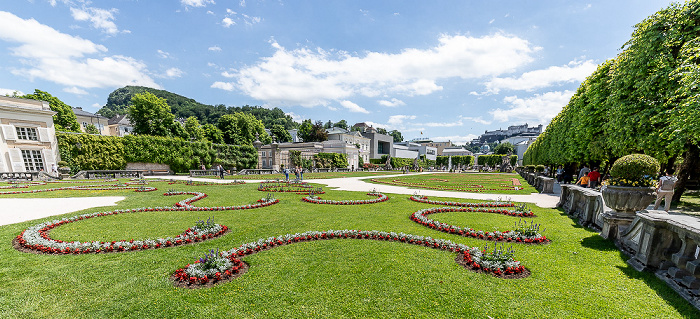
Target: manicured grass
{"points": [[579, 274], [312, 175], [492, 183]]}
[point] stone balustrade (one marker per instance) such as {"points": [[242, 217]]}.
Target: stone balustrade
{"points": [[667, 245], [583, 204], [543, 184], [31, 176], [100, 174], [204, 172]]}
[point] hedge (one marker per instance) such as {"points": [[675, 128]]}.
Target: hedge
{"points": [[89, 152], [331, 160], [494, 159], [464, 160]]}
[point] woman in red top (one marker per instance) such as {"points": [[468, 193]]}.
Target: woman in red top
{"points": [[594, 177]]}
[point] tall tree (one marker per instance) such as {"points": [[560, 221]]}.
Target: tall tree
{"points": [[194, 129], [281, 134], [64, 119], [213, 133], [396, 135], [317, 133], [151, 115], [305, 130], [241, 129], [504, 148], [341, 124]]}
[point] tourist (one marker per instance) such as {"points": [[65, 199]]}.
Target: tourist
{"points": [[583, 181], [560, 174], [286, 174], [301, 173], [54, 169], [594, 177], [221, 171], [583, 172], [296, 172], [665, 190]]}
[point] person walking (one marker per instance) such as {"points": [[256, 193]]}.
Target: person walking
{"points": [[583, 181], [296, 172], [221, 171], [584, 172], [286, 174], [665, 190], [594, 177], [560, 174]]}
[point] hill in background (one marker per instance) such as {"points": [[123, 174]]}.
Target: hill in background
{"points": [[184, 107]]}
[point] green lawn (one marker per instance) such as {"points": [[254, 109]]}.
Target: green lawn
{"points": [[492, 183], [577, 275], [313, 175]]}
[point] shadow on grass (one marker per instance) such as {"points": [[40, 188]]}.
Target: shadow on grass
{"points": [[683, 307], [599, 243], [574, 222]]}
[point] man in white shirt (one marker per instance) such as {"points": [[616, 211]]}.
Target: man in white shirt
{"points": [[665, 190]]}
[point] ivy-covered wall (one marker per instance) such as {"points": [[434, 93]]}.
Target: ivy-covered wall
{"points": [[85, 152]]}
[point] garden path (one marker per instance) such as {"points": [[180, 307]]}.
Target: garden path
{"points": [[15, 210]]}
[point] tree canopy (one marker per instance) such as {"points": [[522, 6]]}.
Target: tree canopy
{"points": [[150, 115], [241, 129], [65, 119]]}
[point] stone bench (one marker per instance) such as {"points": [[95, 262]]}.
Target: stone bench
{"points": [[30, 176]]}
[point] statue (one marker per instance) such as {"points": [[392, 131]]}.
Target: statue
{"points": [[388, 163], [505, 163]]}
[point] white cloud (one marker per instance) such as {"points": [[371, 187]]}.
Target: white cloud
{"points": [[296, 117], [398, 120], [227, 22], [10, 92], [476, 120], [100, 18], [215, 49], [393, 103], [575, 71], [314, 77], [242, 3], [163, 54], [196, 3], [75, 90], [444, 124], [61, 58], [223, 85], [173, 73], [539, 109], [352, 107]]}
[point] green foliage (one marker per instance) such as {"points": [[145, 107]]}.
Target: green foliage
{"points": [[194, 130], [65, 119], [305, 130], [241, 129], [504, 148], [493, 160], [539, 168], [279, 132], [341, 124], [91, 129], [331, 160], [150, 115], [396, 135], [90, 152], [634, 168], [213, 133], [182, 107]]}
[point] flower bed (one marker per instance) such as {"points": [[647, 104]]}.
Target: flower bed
{"points": [[519, 211], [85, 187], [473, 257], [37, 239], [301, 188], [522, 234], [472, 188], [317, 200]]}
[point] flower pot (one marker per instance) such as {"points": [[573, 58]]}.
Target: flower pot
{"points": [[626, 199]]}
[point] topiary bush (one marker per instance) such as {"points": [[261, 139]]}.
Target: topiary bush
{"points": [[634, 170], [539, 168]]}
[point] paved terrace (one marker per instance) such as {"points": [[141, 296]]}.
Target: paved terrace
{"points": [[15, 210]]}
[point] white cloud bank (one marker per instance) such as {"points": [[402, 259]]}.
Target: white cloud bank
{"points": [[100, 18], [196, 3], [575, 71], [316, 77], [61, 58], [540, 108]]}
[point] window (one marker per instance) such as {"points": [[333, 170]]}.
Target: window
{"points": [[32, 160], [27, 133]]}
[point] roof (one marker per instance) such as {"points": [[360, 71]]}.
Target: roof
{"points": [[79, 112], [119, 119]]}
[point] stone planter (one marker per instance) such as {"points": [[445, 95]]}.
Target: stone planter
{"points": [[628, 200]]}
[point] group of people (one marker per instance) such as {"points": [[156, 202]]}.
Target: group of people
{"points": [[588, 178], [298, 171]]}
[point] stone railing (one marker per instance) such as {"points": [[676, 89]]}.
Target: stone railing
{"points": [[667, 245], [98, 174], [31, 176], [583, 204], [543, 184], [258, 171], [204, 172]]}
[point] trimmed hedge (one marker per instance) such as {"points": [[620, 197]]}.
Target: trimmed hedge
{"points": [[464, 160], [88, 152], [493, 160]]}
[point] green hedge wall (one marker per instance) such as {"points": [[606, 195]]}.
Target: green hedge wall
{"points": [[465, 160], [331, 160], [85, 152], [493, 160]]}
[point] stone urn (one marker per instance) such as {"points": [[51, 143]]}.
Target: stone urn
{"points": [[627, 199]]}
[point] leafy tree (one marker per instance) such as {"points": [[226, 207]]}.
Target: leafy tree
{"points": [[213, 133], [241, 128], [305, 130], [381, 130], [341, 124], [151, 115], [194, 129], [65, 119], [397, 136], [91, 129], [280, 133], [328, 124], [504, 148]]}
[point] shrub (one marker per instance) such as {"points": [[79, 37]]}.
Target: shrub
{"points": [[539, 168], [634, 170]]}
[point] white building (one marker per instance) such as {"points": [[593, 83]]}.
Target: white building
{"points": [[119, 125], [351, 138], [419, 149], [28, 141], [85, 118], [456, 151]]}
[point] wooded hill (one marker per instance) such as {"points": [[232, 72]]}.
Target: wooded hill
{"points": [[184, 107]]}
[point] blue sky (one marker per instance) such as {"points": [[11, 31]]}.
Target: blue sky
{"points": [[446, 70]]}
